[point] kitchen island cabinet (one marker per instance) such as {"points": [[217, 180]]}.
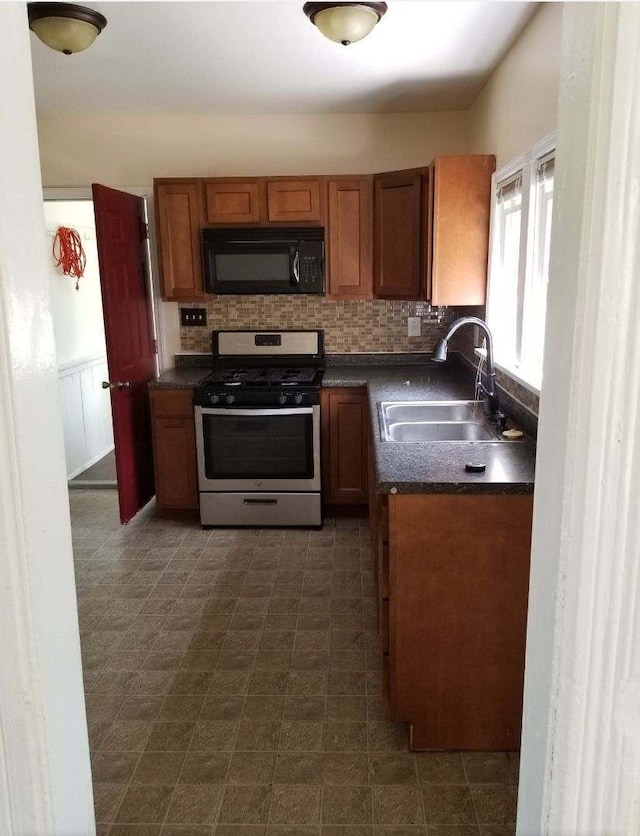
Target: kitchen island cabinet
{"points": [[174, 448]]}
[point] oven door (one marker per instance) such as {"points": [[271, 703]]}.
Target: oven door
{"points": [[258, 449]]}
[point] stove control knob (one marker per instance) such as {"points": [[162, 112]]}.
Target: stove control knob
{"points": [[282, 399], [298, 397], [214, 399], [230, 399]]}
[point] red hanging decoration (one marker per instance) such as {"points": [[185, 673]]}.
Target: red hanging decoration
{"points": [[69, 253]]}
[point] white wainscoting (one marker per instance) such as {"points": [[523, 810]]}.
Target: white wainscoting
{"points": [[86, 412]]}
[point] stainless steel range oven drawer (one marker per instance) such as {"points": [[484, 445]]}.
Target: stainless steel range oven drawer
{"points": [[262, 509]]}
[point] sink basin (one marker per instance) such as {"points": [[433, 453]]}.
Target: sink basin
{"points": [[431, 411], [416, 421], [455, 431]]}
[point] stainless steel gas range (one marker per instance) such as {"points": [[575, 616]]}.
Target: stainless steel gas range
{"points": [[258, 429]]}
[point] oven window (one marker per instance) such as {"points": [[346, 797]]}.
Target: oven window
{"points": [[252, 267], [258, 446]]}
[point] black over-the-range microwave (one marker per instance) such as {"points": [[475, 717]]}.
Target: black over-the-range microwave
{"points": [[264, 260]]}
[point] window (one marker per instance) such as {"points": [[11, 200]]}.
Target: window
{"points": [[519, 269]]}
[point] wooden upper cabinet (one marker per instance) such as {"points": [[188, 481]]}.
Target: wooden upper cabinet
{"points": [[460, 229], [295, 201], [349, 238], [234, 201], [177, 206], [399, 229]]}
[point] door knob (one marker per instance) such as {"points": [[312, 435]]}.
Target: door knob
{"points": [[121, 384]]}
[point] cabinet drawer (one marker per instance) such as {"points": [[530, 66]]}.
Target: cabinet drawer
{"points": [[172, 403], [233, 202], [294, 201]]}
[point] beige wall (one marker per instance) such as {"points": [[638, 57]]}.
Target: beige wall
{"points": [[117, 148], [516, 108], [518, 105]]}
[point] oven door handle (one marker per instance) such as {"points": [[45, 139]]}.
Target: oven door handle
{"points": [[252, 413]]}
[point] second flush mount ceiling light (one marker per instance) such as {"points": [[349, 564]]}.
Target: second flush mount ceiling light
{"points": [[345, 23], [65, 27]]}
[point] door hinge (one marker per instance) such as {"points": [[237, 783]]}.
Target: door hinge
{"points": [[144, 230], [155, 346]]}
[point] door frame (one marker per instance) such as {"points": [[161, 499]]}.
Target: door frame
{"points": [[145, 192]]}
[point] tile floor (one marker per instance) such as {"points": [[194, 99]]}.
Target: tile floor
{"points": [[233, 688]]}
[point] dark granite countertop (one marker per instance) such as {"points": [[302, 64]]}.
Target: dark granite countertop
{"points": [[416, 467], [434, 467], [182, 377]]}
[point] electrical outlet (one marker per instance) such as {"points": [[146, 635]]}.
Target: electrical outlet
{"points": [[413, 326], [193, 317]]}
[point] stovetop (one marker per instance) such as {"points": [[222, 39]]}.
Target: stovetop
{"points": [[247, 376], [257, 369]]}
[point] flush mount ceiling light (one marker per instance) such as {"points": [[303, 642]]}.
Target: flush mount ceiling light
{"points": [[65, 27], [345, 23]]}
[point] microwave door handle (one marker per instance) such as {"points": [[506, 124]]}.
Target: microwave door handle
{"points": [[296, 267]]}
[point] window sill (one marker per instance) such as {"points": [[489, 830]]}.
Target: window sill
{"points": [[511, 372]]}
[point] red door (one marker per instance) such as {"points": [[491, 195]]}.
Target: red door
{"points": [[128, 322]]}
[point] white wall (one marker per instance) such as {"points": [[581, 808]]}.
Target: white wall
{"points": [[45, 776], [86, 414], [580, 770], [518, 105], [78, 324]]}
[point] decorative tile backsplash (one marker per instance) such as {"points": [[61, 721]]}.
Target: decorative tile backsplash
{"points": [[364, 326]]}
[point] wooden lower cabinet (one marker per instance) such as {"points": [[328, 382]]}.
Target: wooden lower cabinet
{"points": [[453, 573], [174, 448], [345, 446]]}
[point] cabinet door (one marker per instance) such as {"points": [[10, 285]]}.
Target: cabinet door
{"points": [[178, 222], [295, 201], [345, 446], [233, 201], [459, 576], [174, 448], [398, 235], [461, 208], [349, 238]]}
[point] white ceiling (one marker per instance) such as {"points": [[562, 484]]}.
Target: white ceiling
{"points": [[261, 56]]}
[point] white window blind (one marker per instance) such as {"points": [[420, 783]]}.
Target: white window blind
{"points": [[504, 278], [519, 269], [535, 294]]}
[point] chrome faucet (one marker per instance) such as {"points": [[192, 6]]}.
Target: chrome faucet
{"points": [[488, 389]]}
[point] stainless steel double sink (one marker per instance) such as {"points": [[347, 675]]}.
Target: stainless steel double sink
{"points": [[415, 421]]}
